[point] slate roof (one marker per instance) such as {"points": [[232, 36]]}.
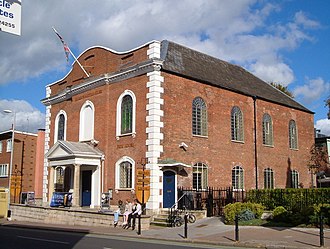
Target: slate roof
{"points": [[76, 149], [201, 67]]}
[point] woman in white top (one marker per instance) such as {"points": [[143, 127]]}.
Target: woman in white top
{"points": [[128, 211]]}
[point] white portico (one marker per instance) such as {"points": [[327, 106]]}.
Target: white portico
{"points": [[76, 167]]}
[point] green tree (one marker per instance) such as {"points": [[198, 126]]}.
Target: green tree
{"points": [[282, 88], [318, 160], [327, 103]]}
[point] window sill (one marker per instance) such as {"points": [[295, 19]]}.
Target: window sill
{"points": [[294, 149], [238, 141], [133, 135], [268, 145], [200, 136]]}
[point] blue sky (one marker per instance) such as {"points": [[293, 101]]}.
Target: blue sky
{"points": [[281, 41]]}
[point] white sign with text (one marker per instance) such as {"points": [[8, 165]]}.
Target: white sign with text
{"points": [[10, 16]]}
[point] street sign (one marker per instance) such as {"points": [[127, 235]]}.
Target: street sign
{"points": [[142, 188], [10, 16]]}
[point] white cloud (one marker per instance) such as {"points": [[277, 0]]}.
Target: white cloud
{"points": [[28, 118], [232, 30], [324, 126], [312, 90]]}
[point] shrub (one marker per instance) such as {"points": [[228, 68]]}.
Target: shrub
{"points": [[280, 214], [231, 210], [246, 215]]}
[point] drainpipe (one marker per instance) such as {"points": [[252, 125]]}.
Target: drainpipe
{"points": [[255, 139]]}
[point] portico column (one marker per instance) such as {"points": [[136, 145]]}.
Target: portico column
{"points": [[76, 186], [51, 182]]}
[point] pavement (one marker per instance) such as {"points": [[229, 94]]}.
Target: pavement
{"points": [[209, 231]]}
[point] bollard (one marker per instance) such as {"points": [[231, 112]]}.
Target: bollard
{"points": [[139, 225], [321, 231], [186, 226], [236, 228]]}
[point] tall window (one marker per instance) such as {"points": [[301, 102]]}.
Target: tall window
{"points": [[9, 144], [237, 178], [60, 132], [125, 173], [60, 126], [0, 146], [126, 114], [199, 117], [294, 179], [267, 130], [3, 170], [59, 179], [237, 130], [200, 176], [86, 131], [293, 137], [268, 178]]}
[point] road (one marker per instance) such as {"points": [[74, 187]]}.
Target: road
{"points": [[23, 238]]}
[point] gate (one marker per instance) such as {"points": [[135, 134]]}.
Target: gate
{"points": [[211, 199]]}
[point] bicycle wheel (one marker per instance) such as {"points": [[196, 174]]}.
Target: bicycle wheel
{"points": [[191, 218], [178, 222]]}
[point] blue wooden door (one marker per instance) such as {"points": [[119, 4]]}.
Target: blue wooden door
{"points": [[86, 187], [168, 189]]}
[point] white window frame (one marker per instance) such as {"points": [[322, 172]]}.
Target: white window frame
{"points": [[82, 124], [117, 172], [201, 169], [1, 145], [4, 170], [9, 145], [56, 124], [238, 172], [118, 114]]}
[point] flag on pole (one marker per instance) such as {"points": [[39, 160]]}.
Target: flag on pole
{"points": [[66, 48]]}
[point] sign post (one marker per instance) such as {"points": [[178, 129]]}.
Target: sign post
{"points": [[10, 16]]}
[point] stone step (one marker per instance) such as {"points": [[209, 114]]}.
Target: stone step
{"points": [[162, 224]]}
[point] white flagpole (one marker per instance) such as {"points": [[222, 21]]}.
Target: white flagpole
{"points": [[74, 57]]}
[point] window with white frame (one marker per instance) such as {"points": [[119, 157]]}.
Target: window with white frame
{"points": [[9, 145], [238, 178], [126, 113], [60, 126], [294, 179], [267, 130], [268, 178], [3, 170], [200, 176], [237, 129], [293, 137], [86, 131], [0, 146], [125, 172], [199, 117]]}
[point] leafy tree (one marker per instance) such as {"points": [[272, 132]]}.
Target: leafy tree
{"points": [[318, 161], [282, 88]]}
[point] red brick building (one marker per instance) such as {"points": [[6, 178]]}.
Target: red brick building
{"points": [[26, 163], [195, 120]]}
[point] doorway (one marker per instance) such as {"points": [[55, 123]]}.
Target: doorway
{"points": [[86, 187], [168, 189]]}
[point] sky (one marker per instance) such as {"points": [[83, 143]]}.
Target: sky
{"points": [[282, 41]]}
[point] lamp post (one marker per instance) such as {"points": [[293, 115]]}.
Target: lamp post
{"points": [[11, 157]]}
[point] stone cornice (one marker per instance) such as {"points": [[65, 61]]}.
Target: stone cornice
{"points": [[108, 78]]}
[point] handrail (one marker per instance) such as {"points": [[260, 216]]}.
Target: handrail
{"points": [[178, 200]]}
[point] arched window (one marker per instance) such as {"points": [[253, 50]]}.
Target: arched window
{"points": [[86, 132], [268, 178], [294, 179], [293, 137], [59, 179], [267, 130], [237, 129], [237, 178], [200, 175], [199, 117], [125, 172], [126, 113], [60, 126]]}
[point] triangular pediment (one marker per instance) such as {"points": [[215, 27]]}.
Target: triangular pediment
{"points": [[59, 151]]}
